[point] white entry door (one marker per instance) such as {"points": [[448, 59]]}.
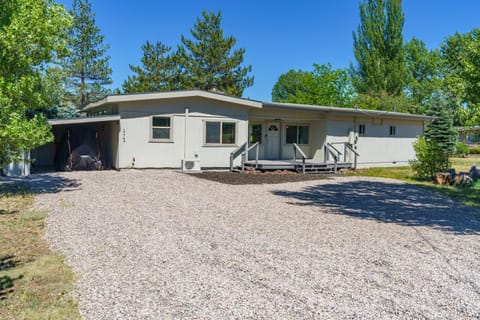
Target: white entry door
{"points": [[272, 141]]}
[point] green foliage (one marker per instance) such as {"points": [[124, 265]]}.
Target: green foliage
{"points": [[322, 86], [378, 49], [461, 57], [88, 65], [474, 150], [159, 71], [430, 158], [32, 35], [385, 102], [207, 61], [462, 148], [440, 130], [424, 73]]}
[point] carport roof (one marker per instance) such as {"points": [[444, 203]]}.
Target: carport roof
{"points": [[57, 122]]}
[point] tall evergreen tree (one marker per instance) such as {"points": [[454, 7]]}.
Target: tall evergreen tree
{"points": [[88, 65], [159, 71], [378, 48], [441, 130], [208, 61]]}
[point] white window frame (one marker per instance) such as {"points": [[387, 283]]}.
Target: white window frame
{"points": [[209, 144], [250, 126], [170, 132], [392, 131], [298, 131]]}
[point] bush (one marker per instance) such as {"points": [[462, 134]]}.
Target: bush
{"points": [[462, 148], [474, 150], [430, 159]]}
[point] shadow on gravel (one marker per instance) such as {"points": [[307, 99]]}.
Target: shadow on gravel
{"points": [[389, 203], [38, 183]]}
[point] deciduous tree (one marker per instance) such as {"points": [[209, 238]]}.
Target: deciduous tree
{"points": [[378, 47], [32, 35], [322, 86]]}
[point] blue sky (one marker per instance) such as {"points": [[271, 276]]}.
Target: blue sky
{"points": [[277, 35]]}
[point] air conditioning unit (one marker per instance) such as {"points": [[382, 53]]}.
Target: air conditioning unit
{"points": [[191, 165]]}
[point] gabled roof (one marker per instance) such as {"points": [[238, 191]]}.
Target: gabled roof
{"points": [[172, 95]]}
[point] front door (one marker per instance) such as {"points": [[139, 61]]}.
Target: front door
{"points": [[272, 141]]}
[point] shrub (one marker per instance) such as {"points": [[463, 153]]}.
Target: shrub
{"points": [[462, 148], [430, 159], [474, 150]]}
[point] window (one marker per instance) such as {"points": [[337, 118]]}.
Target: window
{"points": [[217, 132], [255, 134], [361, 129], [161, 128], [393, 130], [297, 134]]}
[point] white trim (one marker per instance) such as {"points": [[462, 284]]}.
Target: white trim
{"points": [[172, 95], [170, 133], [206, 144], [57, 122]]}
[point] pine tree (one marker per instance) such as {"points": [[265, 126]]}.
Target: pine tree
{"points": [[440, 130], [207, 61], [378, 48], [159, 71], [88, 65]]}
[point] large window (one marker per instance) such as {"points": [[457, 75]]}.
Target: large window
{"points": [[255, 134], [161, 128], [218, 132], [297, 134]]}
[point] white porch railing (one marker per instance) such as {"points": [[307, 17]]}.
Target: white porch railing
{"points": [[243, 151]]}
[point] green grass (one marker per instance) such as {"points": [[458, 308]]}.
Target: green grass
{"points": [[467, 195], [34, 281]]}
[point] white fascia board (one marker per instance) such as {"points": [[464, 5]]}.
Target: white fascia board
{"points": [[346, 111], [57, 122], [172, 95]]}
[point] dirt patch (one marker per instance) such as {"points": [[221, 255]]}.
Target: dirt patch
{"points": [[257, 177]]}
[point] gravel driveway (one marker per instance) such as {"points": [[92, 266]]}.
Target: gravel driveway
{"points": [[164, 245]]}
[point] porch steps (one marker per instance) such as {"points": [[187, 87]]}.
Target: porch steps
{"points": [[310, 167]]}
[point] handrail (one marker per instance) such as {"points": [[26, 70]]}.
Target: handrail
{"points": [[336, 150], [328, 147], [350, 147], [245, 154], [243, 151], [295, 149], [234, 154]]}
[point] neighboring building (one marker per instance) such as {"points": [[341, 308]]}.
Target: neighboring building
{"points": [[159, 130], [469, 135]]}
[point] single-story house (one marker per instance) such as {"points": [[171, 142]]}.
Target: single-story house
{"points": [[213, 130], [469, 135]]}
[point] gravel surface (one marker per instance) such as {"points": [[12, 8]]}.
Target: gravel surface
{"points": [[165, 245]]}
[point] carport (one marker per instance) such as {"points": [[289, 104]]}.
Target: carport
{"points": [[96, 135]]}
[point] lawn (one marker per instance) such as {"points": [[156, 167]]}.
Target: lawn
{"points": [[34, 282], [466, 195]]}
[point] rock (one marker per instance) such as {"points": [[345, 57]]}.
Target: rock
{"points": [[474, 173], [443, 178], [462, 179]]}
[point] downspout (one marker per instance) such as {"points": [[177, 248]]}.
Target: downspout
{"points": [[185, 134]]}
